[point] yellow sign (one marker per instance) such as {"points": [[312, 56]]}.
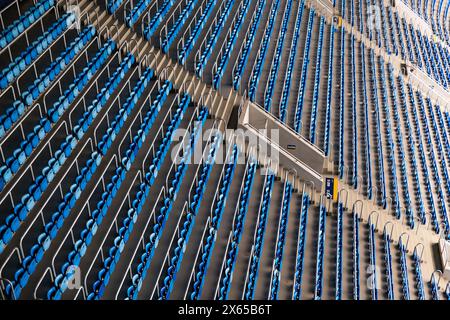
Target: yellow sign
{"points": [[331, 188], [335, 189]]}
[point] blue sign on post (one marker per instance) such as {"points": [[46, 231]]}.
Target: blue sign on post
{"points": [[331, 188]]}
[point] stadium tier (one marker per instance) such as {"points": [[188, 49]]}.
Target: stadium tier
{"points": [[225, 150]]}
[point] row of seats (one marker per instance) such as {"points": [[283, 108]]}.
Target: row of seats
{"points": [[410, 145], [399, 35], [176, 27], [136, 11], [113, 5], [26, 58], [318, 69], [214, 224], [188, 44], [392, 33], [236, 233], [185, 232], [388, 264], [356, 257], [258, 240], [38, 187], [318, 284], [101, 99], [281, 241], [81, 244], [352, 17], [225, 52], [50, 229], [421, 152], [301, 241], [121, 236], [373, 260], [377, 30], [156, 20], [354, 163], [404, 270], [303, 76], [146, 255], [404, 30], [34, 13], [381, 185], [395, 33], [273, 75], [447, 120], [367, 163], [434, 288], [339, 249], [381, 181], [411, 36], [326, 138], [211, 38], [343, 8], [392, 163], [292, 55], [399, 143], [262, 51], [418, 275], [360, 14], [10, 116], [341, 84], [247, 45], [390, 47]]}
